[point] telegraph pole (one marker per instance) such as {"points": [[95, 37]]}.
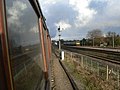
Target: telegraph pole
{"points": [[113, 36], [93, 41]]}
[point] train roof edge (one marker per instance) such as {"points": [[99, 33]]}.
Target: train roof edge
{"points": [[36, 5]]}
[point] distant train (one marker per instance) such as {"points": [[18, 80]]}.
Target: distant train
{"points": [[25, 46], [72, 43]]}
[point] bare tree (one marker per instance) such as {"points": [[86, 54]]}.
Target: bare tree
{"points": [[96, 33], [110, 34], [96, 36], [111, 38]]}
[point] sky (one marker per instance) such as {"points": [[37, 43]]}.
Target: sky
{"points": [[77, 17]]}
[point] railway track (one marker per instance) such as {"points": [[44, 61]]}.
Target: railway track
{"points": [[73, 84], [69, 77], [105, 55]]}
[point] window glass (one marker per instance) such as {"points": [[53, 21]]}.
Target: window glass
{"points": [[24, 45]]}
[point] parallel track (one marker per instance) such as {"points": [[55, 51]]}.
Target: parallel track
{"points": [[110, 56]]}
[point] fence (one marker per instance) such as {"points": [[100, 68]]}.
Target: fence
{"points": [[108, 73]]}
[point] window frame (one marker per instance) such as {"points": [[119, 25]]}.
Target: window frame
{"points": [[6, 62]]}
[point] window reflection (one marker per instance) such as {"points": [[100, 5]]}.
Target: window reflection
{"points": [[24, 43]]}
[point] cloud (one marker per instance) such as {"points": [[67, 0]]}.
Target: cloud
{"points": [[109, 16], [46, 2], [64, 25], [68, 14], [85, 14], [113, 8], [60, 12], [80, 16]]}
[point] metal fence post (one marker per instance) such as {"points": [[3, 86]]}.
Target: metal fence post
{"points": [[82, 61], [107, 73], [118, 78]]}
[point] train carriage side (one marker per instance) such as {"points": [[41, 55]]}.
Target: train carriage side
{"points": [[25, 46]]}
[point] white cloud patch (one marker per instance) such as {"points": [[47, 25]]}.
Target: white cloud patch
{"points": [[49, 2], [85, 14], [64, 25], [46, 4]]}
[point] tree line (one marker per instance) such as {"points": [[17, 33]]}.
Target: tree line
{"points": [[96, 38]]}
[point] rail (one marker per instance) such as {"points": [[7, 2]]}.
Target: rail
{"points": [[67, 73], [105, 55]]}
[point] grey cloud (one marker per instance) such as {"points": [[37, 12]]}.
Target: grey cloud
{"points": [[58, 12], [106, 19]]}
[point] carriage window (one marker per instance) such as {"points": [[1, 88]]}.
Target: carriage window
{"points": [[25, 45]]}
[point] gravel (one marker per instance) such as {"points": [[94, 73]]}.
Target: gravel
{"points": [[59, 78]]}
